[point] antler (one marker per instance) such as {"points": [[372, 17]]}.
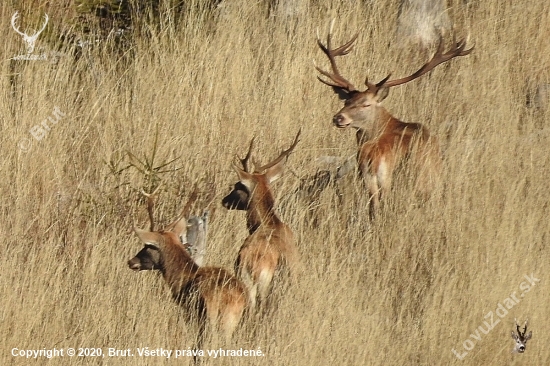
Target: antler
{"points": [[283, 155], [151, 197], [244, 161], [438, 58], [522, 335], [186, 209], [190, 201], [338, 81], [13, 19]]}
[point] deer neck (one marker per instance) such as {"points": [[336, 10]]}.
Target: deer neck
{"points": [[362, 136], [177, 266], [261, 211], [377, 123]]}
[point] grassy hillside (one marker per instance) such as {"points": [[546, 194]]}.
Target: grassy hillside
{"points": [[405, 289]]}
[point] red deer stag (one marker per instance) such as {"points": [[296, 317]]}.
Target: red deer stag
{"points": [[270, 245], [384, 141], [207, 293]]}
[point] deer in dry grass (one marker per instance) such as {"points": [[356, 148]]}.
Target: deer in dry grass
{"points": [[521, 338], [384, 141], [270, 245], [208, 294]]}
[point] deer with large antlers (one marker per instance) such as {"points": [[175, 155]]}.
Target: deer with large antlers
{"points": [[208, 294], [30, 40], [270, 245], [384, 141]]}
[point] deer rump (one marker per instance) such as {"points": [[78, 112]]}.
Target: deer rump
{"points": [[214, 294], [264, 253]]}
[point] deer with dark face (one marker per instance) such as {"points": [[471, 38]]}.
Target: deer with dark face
{"points": [[384, 141], [521, 338], [208, 294], [270, 245]]}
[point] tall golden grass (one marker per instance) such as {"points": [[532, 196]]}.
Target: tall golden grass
{"points": [[405, 289]]}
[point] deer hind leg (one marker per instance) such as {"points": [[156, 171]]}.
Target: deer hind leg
{"points": [[201, 317], [250, 284], [233, 312], [264, 284]]}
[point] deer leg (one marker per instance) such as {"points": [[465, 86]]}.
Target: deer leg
{"points": [[264, 282], [233, 313], [384, 177], [371, 181]]}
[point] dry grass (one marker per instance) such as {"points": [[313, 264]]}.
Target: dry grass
{"points": [[404, 290]]}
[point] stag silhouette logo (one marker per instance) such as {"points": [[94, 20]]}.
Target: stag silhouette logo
{"points": [[29, 40]]}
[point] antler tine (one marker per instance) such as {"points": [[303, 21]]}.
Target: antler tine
{"points": [[438, 58], [244, 161], [525, 328], [518, 328], [45, 23], [281, 156], [190, 201], [337, 79], [186, 208], [13, 19], [151, 206]]}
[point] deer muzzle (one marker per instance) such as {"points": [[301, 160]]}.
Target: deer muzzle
{"points": [[134, 264], [340, 121]]}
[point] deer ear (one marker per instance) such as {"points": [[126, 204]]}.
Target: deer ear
{"points": [[275, 172], [528, 337], [147, 237], [514, 336], [180, 229], [382, 93], [244, 177]]}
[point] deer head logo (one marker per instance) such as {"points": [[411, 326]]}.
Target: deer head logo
{"points": [[30, 40], [521, 338]]}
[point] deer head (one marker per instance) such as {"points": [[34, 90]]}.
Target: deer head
{"points": [[256, 181], [521, 338], [150, 257], [30, 40], [191, 233], [363, 107]]}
